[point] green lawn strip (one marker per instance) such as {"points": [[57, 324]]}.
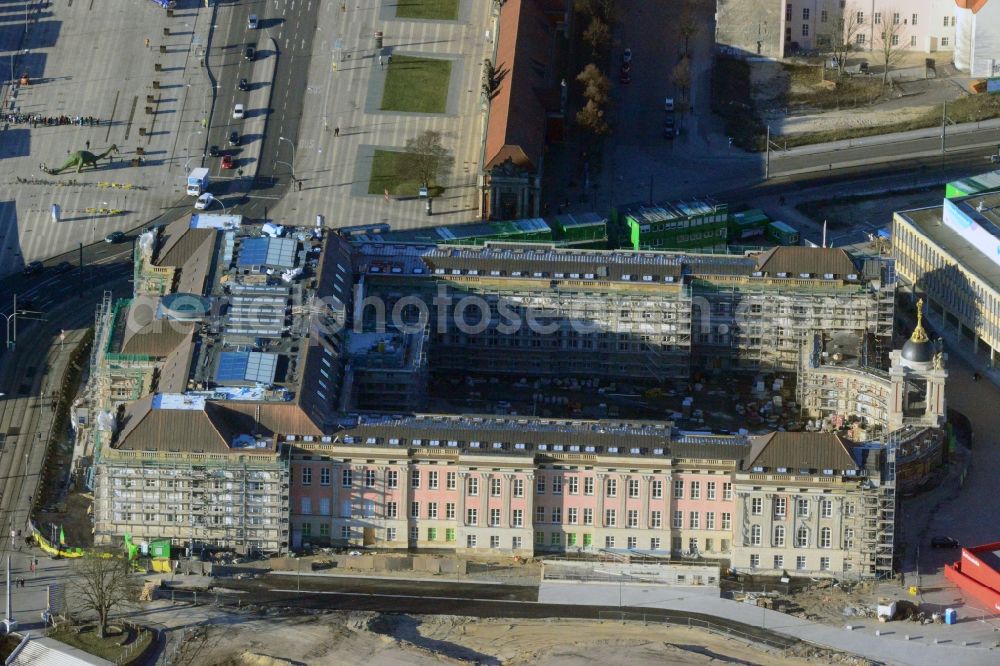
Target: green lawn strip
{"points": [[444, 10], [418, 85], [110, 647], [387, 167]]}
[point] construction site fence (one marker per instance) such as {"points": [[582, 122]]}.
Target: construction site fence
{"points": [[695, 623]]}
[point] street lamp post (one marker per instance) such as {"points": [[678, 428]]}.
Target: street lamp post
{"points": [[290, 166], [187, 149], [212, 199]]}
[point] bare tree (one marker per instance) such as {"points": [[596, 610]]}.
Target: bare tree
{"points": [[103, 583], [841, 34], [595, 84], [680, 76], [688, 25], [889, 41], [428, 158], [597, 34]]}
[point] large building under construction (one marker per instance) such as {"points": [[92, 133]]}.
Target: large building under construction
{"points": [[264, 388]]}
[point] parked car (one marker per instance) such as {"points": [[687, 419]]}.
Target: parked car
{"points": [[34, 268], [944, 542], [250, 52], [244, 85], [64, 267], [204, 201], [238, 112], [115, 237], [227, 161], [213, 151], [627, 56], [234, 138], [668, 105]]}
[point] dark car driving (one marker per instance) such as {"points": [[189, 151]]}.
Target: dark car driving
{"points": [[234, 138], [250, 52], [944, 542]]}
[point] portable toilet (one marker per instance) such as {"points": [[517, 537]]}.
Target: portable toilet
{"points": [[950, 616]]}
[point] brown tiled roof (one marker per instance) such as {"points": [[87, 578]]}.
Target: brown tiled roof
{"points": [[144, 334], [210, 430], [274, 418], [800, 450], [516, 129], [177, 367], [800, 259]]}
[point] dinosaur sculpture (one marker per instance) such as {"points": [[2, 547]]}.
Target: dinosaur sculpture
{"points": [[80, 159]]}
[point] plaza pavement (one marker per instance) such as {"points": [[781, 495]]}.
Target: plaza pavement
{"points": [[89, 60], [892, 647], [345, 90]]}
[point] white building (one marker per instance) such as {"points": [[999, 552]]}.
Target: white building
{"points": [[977, 37]]}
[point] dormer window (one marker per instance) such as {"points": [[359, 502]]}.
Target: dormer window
{"points": [[758, 468]]}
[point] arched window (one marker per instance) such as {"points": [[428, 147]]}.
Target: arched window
{"points": [[802, 538], [755, 535], [825, 538], [779, 536]]}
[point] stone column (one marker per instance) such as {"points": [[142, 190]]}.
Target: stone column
{"points": [[507, 496], [601, 489], [645, 492], [484, 499], [462, 490]]}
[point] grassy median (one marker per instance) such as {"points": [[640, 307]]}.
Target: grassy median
{"points": [[442, 10], [417, 85]]}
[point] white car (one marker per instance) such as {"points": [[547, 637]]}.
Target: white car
{"points": [[238, 112], [204, 201]]}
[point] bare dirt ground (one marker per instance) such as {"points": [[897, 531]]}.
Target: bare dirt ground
{"points": [[793, 103], [371, 639]]}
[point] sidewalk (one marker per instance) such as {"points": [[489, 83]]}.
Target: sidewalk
{"points": [[892, 647], [882, 139]]}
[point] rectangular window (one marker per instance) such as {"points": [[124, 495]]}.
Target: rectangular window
{"points": [[657, 491], [727, 491], [391, 510], [727, 520], [946, 21], [518, 487], [392, 479], [540, 484], [757, 506], [609, 542], [609, 518], [802, 508], [307, 476], [515, 543], [944, 41], [432, 510], [307, 505], [632, 543], [494, 542], [471, 517], [571, 515], [324, 476], [470, 541], [859, 39], [557, 514], [805, 14], [654, 543], [588, 516], [390, 534], [696, 490], [710, 520], [449, 511], [655, 520], [432, 480], [611, 488], [449, 534], [414, 509], [494, 517], [588, 486], [824, 562], [432, 534], [805, 29], [369, 478], [494, 487], [556, 539], [754, 561], [678, 488], [557, 484], [826, 508], [588, 540], [895, 40], [539, 537], [632, 516], [472, 485], [518, 517], [848, 539], [877, 18], [574, 485], [415, 478], [571, 538], [913, 40], [779, 507], [694, 520], [710, 490], [678, 521], [779, 561], [452, 480], [861, 18], [633, 488], [414, 534], [307, 530], [913, 20]]}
